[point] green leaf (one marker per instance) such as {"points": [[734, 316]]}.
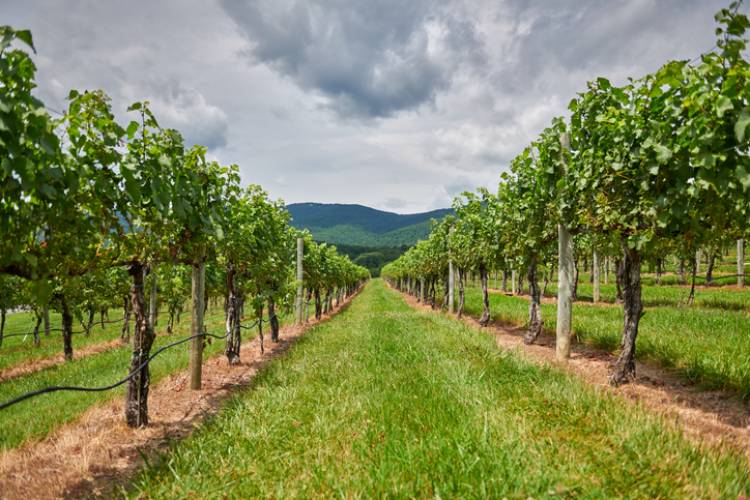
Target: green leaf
{"points": [[744, 176], [49, 191], [132, 129], [741, 126], [25, 37], [723, 104], [663, 153]]}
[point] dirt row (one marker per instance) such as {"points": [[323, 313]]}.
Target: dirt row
{"points": [[97, 453], [712, 417]]}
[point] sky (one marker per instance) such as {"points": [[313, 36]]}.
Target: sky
{"points": [[399, 105]]}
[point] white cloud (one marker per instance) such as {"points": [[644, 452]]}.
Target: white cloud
{"points": [[399, 105]]}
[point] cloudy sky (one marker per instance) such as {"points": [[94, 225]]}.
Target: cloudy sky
{"points": [[397, 104]]}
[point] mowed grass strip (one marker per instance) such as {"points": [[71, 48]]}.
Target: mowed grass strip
{"points": [[707, 347], [384, 400]]}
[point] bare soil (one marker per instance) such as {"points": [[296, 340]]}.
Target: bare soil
{"points": [[98, 453], [708, 417]]}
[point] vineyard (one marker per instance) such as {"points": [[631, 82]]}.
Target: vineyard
{"points": [[584, 330]]}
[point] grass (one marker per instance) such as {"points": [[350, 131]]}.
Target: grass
{"points": [[710, 347], [714, 297], [386, 401], [36, 418], [18, 350]]}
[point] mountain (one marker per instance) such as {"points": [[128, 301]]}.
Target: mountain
{"points": [[362, 226]]}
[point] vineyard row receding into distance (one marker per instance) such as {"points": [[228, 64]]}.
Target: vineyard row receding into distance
{"points": [[104, 215], [120, 228], [655, 170]]}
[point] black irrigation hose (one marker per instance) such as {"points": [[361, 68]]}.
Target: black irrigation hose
{"points": [[255, 323], [55, 388], [73, 388]]}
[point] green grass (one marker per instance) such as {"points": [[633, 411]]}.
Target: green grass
{"points": [[660, 295], [19, 350], [710, 347], [34, 419], [386, 401]]}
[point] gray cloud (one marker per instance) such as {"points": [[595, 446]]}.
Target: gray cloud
{"points": [[398, 105], [187, 110], [369, 59]]}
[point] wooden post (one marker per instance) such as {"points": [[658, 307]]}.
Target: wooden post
{"points": [[451, 286], [595, 274], [566, 270], [300, 278], [513, 282], [740, 262], [196, 325], [46, 321]]}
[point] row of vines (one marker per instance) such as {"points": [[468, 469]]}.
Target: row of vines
{"points": [[95, 215], [654, 170]]}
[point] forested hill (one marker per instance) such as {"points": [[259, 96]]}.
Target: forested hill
{"points": [[363, 226]]}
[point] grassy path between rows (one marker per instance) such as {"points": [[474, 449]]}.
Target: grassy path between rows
{"points": [[707, 347], [384, 400]]}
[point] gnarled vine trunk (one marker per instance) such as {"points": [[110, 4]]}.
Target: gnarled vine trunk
{"points": [[461, 297], [307, 304], [171, 320], [535, 307], [45, 314], [630, 276], [318, 305], [233, 331], [446, 291], [67, 329], [136, 399], [710, 268], [274, 320], [485, 318], [37, 340], [90, 322]]}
